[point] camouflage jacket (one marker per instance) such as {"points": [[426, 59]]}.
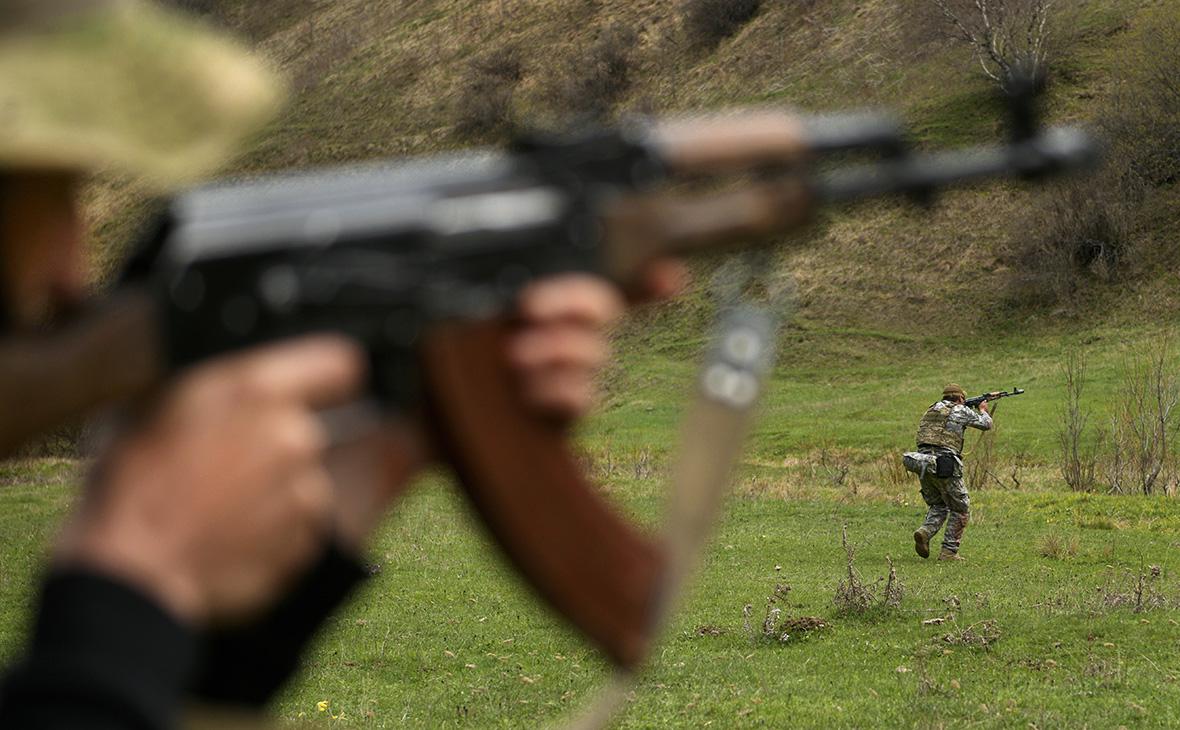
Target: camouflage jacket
{"points": [[944, 422]]}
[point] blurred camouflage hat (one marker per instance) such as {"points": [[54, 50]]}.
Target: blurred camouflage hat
{"points": [[953, 390], [125, 85]]}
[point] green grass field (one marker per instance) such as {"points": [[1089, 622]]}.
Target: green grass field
{"points": [[1065, 614]]}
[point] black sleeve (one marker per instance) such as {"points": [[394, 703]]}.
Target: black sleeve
{"points": [[102, 657], [247, 665]]}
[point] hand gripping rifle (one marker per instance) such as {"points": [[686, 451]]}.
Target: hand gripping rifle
{"points": [[421, 262], [994, 395]]}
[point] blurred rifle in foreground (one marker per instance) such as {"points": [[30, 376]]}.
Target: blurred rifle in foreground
{"points": [[994, 395], [421, 262]]}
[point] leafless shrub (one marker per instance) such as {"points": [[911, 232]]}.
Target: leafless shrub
{"points": [[1079, 450], [1009, 38], [835, 467], [484, 108], [1108, 672], [1080, 234], [610, 462], [1142, 458], [1138, 590], [852, 595], [1087, 231], [708, 22], [593, 81]]}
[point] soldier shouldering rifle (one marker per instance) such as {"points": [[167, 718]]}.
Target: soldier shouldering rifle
{"points": [[938, 462]]}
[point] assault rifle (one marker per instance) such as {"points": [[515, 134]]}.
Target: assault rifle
{"points": [[422, 261], [994, 395]]}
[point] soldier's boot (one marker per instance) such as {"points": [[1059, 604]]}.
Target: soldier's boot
{"points": [[922, 542], [948, 555]]}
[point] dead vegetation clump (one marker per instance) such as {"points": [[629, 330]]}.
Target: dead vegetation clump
{"points": [[639, 464], [484, 108], [1056, 547], [1139, 591], [708, 22], [774, 627], [595, 80], [854, 596], [980, 635], [835, 467], [892, 472]]}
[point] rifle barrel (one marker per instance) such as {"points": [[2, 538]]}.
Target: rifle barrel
{"points": [[1056, 150]]}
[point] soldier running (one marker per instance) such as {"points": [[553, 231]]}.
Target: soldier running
{"points": [[940, 432]]}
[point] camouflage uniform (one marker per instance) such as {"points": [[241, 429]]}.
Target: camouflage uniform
{"points": [[941, 432]]}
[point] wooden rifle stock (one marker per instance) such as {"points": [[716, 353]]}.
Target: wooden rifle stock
{"points": [[518, 471]]}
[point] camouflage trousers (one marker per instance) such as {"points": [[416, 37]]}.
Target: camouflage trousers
{"points": [[946, 501]]}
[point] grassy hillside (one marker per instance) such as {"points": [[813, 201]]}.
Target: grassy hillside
{"points": [[389, 79]]}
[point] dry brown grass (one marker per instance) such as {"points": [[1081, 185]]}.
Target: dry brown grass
{"points": [[1056, 547]]}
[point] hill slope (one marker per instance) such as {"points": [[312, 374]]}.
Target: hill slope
{"points": [[389, 79]]}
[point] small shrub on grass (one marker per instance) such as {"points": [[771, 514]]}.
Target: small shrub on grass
{"points": [[1055, 547], [1087, 232], [708, 22], [835, 467], [1142, 458], [980, 635], [1139, 591], [594, 81], [1079, 448], [854, 596], [484, 108]]}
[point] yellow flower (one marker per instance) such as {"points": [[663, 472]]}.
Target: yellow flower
{"points": [[322, 705]]}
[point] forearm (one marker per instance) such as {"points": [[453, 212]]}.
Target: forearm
{"points": [[244, 667], [102, 656]]}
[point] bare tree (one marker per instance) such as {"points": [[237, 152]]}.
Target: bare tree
{"points": [[1079, 459], [1008, 37], [1144, 425]]}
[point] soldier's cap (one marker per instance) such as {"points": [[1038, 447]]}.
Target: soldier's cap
{"points": [[953, 390], [90, 85]]}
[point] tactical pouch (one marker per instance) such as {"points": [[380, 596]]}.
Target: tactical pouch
{"points": [[917, 462], [945, 468]]}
